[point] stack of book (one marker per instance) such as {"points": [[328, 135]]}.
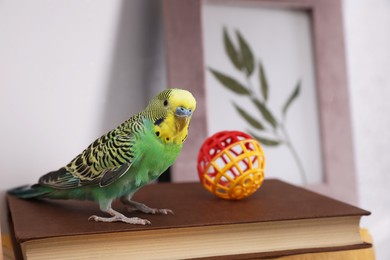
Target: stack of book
{"points": [[278, 220], [1, 247]]}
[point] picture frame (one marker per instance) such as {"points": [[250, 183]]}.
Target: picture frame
{"points": [[186, 69]]}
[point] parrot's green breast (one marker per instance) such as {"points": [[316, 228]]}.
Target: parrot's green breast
{"points": [[153, 155], [152, 158]]}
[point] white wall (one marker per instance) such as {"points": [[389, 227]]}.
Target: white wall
{"points": [[70, 71], [367, 25]]}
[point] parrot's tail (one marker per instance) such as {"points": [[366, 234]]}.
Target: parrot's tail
{"points": [[28, 192]]}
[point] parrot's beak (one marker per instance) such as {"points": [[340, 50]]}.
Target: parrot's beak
{"points": [[183, 112]]}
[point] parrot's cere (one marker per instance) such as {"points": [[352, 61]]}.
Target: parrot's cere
{"points": [[123, 160]]}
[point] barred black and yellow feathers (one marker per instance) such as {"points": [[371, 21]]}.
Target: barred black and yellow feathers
{"points": [[102, 162], [111, 155]]}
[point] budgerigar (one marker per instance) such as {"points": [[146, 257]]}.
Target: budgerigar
{"points": [[122, 161]]}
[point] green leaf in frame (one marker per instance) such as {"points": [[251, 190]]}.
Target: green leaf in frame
{"points": [[265, 141], [268, 116], [231, 51], [292, 97], [246, 54], [251, 120], [230, 83], [263, 82]]}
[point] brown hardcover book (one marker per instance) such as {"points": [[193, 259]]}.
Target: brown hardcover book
{"points": [[1, 246], [279, 219]]}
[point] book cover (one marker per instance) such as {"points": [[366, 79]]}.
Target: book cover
{"points": [[194, 207]]}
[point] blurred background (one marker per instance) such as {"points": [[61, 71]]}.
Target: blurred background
{"points": [[72, 70]]}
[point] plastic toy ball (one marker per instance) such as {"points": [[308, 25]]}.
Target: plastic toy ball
{"points": [[231, 165]]}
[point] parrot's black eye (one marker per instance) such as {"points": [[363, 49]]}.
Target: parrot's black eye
{"points": [[165, 102]]}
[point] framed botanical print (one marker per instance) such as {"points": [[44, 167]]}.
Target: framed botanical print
{"points": [[273, 69]]}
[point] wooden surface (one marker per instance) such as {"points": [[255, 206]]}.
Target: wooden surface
{"points": [[6, 248], [1, 248]]}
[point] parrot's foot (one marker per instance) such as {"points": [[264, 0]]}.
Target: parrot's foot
{"points": [[118, 217], [122, 218], [134, 206]]}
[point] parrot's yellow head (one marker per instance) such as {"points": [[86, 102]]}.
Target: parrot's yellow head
{"points": [[171, 111]]}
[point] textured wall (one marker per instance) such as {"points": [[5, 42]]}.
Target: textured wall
{"points": [[367, 26]]}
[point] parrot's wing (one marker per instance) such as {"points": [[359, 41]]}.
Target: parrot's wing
{"points": [[60, 179], [103, 162], [111, 176]]}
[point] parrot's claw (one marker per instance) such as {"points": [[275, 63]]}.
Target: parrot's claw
{"points": [[121, 218], [134, 206], [148, 210], [164, 211]]}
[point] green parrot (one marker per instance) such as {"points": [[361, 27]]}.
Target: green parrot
{"points": [[123, 160]]}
